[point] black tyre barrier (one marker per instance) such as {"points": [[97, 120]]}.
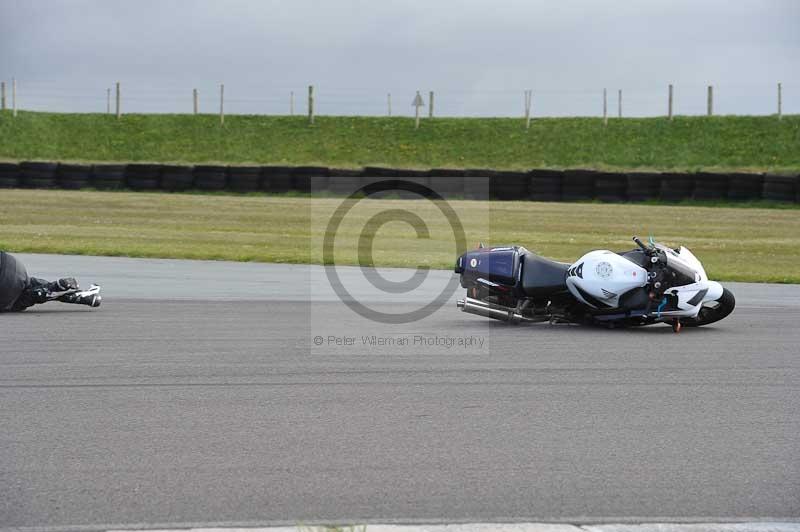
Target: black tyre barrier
{"points": [[344, 185], [578, 185], [779, 187], [546, 185], [37, 175], [310, 178], [420, 177], [73, 176], [537, 185], [244, 178], [710, 186], [343, 181], [509, 185], [676, 187], [277, 178], [611, 187], [448, 183], [380, 171], [9, 175], [643, 186], [108, 176], [743, 187], [210, 178], [143, 176], [177, 178], [345, 172], [477, 183]]}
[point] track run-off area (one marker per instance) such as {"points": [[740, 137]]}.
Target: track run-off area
{"points": [[243, 394]]}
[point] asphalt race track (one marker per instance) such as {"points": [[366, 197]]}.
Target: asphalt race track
{"points": [[197, 395]]}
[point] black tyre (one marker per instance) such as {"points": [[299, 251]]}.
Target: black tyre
{"points": [[744, 187], [447, 182], [176, 178], [244, 178], [643, 186], [779, 187], [610, 187], [277, 178], [677, 187], [73, 176], [546, 185], [9, 175], [380, 171], [477, 183], [210, 177], [309, 179], [343, 181], [578, 185], [37, 175], [510, 186], [713, 313], [710, 186], [108, 176], [143, 176]]}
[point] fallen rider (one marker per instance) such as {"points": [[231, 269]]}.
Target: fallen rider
{"points": [[18, 291]]}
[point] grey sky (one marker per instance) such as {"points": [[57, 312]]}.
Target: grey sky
{"points": [[477, 56]]}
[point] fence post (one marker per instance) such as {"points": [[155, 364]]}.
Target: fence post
{"points": [[780, 102], [430, 104], [311, 104], [605, 108], [2, 95], [222, 104], [14, 97], [619, 104], [291, 103], [710, 100], [528, 98], [108, 100], [389, 103], [669, 112], [119, 109], [195, 103], [417, 104]]}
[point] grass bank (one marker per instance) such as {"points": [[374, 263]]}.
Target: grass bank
{"points": [[743, 244], [723, 143]]}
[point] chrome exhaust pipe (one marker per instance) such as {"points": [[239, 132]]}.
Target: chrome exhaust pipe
{"points": [[490, 310]]}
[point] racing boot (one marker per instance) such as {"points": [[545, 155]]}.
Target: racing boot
{"points": [[63, 285], [90, 297]]}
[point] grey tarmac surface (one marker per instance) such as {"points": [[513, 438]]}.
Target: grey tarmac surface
{"points": [[196, 396]]}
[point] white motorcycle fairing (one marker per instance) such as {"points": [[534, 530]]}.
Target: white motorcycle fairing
{"points": [[599, 278], [691, 297], [602, 276]]}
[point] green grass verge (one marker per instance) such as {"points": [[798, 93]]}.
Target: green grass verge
{"points": [[723, 143], [744, 244]]}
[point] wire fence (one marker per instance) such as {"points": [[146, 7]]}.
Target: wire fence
{"points": [[241, 99]]}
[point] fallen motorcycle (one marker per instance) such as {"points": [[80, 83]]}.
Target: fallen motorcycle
{"points": [[19, 291], [650, 284]]}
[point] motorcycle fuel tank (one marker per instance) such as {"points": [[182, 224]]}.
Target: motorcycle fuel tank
{"points": [[600, 277]]}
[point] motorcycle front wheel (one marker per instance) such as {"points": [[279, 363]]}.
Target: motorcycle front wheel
{"points": [[713, 311]]}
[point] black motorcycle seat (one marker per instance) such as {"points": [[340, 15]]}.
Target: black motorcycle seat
{"points": [[543, 277]]}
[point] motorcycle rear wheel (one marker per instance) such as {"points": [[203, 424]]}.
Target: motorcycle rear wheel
{"points": [[710, 314]]}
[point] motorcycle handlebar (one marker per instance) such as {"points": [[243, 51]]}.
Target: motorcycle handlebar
{"points": [[640, 243]]}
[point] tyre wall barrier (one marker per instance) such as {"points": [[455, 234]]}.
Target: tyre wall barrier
{"points": [[536, 185], [73, 176], [9, 175], [37, 175], [108, 176]]}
